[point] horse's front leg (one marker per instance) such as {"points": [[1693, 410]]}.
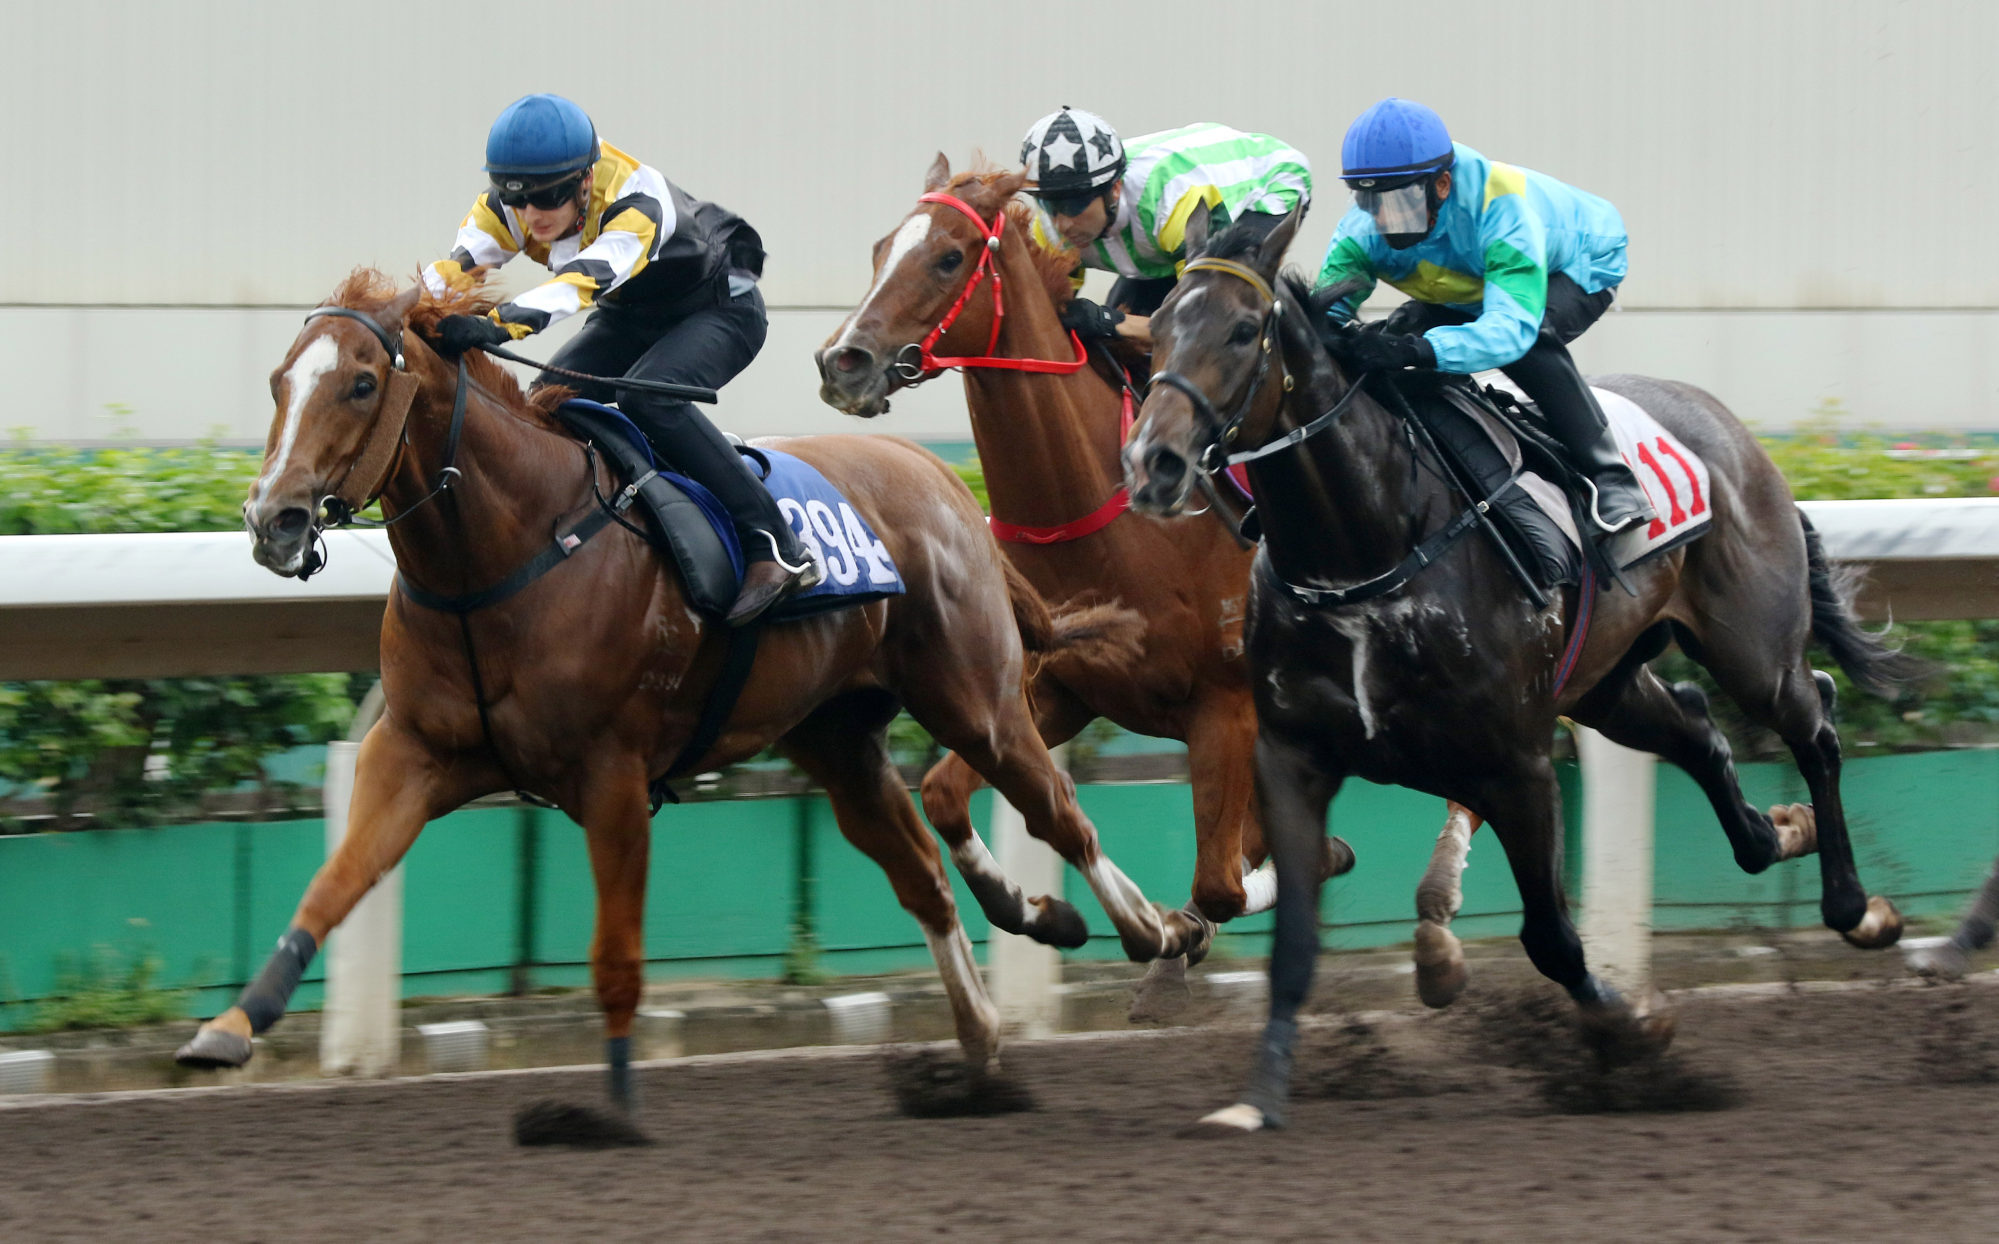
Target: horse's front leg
{"points": [[1529, 826], [617, 821], [1294, 793], [398, 787], [1440, 957]]}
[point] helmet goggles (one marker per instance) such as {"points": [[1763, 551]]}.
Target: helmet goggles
{"points": [[1397, 209], [545, 194]]}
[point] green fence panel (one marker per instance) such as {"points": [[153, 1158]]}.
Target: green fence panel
{"points": [[461, 896], [168, 891]]}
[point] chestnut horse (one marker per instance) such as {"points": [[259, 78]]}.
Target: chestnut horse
{"points": [[1048, 430], [1381, 649], [590, 680]]}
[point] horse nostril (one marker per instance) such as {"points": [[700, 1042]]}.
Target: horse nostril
{"points": [[850, 359], [290, 522], [1166, 467]]}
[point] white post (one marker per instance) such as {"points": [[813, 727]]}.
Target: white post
{"points": [[361, 1027], [1024, 973], [1617, 861]]}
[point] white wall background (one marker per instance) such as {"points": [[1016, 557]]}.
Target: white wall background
{"points": [[1804, 180]]}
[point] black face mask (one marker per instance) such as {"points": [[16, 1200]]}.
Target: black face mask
{"points": [[1403, 241]]}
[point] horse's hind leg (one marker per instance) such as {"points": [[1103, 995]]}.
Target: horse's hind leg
{"points": [[849, 759], [1440, 957], [947, 795], [1953, 959], [1788, 696], [1000, 742], [1638, 710]]}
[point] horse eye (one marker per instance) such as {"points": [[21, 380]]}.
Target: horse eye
{"points": [[950, 261], [1244, 333], [364, 386]]}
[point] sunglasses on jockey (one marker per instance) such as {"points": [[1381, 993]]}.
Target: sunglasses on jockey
{"points": [[517, 194], [1070, 204]]}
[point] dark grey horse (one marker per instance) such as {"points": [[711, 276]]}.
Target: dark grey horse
{"points": [[1446, 682], [1952, 959]]}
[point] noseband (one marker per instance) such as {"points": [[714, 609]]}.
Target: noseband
{"points": [[1216, 456], [915, 362]]}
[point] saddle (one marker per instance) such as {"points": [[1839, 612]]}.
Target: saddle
{"points": [[690, 527], [1490, 433]]}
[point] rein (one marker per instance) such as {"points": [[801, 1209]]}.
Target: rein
{"points": [[1215, 458]]}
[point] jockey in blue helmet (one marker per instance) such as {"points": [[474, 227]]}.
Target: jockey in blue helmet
{"points": [[671, 281], [1504, 267]]}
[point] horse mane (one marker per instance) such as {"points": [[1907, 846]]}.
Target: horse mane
{"points": [[371, 290], [977, 186]]}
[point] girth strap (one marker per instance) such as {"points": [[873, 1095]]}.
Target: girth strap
{"points": [[1406, 569], [737, 662]]}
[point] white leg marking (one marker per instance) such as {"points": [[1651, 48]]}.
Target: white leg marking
{"points": [[970, 1004], [1123, 901], [1241, 1117], [907, 239], [318, 358], [1260, 889], [1447, 865], [973, 859]]}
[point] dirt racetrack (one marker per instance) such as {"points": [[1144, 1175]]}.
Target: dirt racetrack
{"points": [[1845, 1115]]}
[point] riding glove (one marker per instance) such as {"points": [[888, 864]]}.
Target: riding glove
{"points": [[458, 333], [1089, 319], [1385, 351]]}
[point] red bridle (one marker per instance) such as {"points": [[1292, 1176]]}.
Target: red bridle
{"points": [[928, 364]]}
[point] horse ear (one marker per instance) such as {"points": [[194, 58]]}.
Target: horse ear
{"points": [[397, 313], [1197, 231], [1270, 251], [939, 175], [1009, 184]]}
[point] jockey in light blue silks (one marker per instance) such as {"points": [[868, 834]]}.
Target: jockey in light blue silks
{"points": [[1504, 267]]}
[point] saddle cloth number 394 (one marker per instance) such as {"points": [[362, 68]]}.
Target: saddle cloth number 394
{"points": [[840, 541]]}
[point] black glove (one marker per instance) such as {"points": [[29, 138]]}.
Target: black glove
{"points": [[1088, 319], [458, 333], [1384, 351]]}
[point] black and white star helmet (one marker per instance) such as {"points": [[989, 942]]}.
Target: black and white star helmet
{"points": [[1071, 152]]}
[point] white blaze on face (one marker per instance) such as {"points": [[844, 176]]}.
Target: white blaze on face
{"points": [[907, 239], [318, 358]]}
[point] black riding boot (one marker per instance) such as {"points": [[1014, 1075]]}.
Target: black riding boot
{"points": [[1549, 376], [775, 563]]}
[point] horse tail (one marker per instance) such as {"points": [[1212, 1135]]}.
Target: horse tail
{"points": [[1092, 634], [1875, 667]]}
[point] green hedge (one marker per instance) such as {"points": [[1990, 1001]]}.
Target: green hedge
{"points": [[139, 751]]}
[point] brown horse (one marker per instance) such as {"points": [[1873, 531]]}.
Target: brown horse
{"points": [[590, 680], [1048, 436]]}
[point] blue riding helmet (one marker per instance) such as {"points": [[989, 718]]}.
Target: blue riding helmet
{"points": [[1394, 142], [1390, 160], [537, 137]]}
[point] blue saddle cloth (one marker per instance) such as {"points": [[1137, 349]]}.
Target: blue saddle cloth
{"points": [[857, 564]]}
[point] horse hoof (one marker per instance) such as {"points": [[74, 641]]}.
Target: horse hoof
{"points": [[213, 1049], [1879, 929], [1227, 1123], [1945, 963], [1620, 1035], [1797, 830], [1162, 994], [1202, 939], [1339, 857], [1440, 965], [1057, 924]]}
